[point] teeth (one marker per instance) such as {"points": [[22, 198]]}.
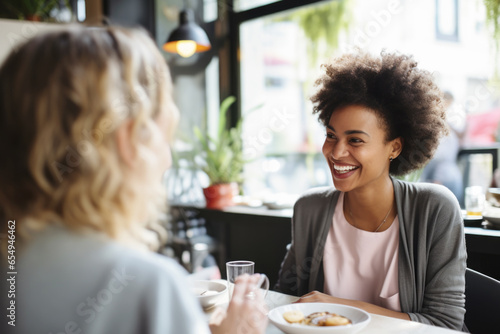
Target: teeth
{"points": [[344, 168]]}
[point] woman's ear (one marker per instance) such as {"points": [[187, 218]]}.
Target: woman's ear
{"points": [[125, 144], [397, 147]]}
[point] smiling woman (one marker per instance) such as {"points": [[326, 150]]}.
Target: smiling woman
{"points": [[378, 243]]}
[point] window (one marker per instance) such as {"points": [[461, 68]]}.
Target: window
{"points": [[280, 56], [279, 64]]}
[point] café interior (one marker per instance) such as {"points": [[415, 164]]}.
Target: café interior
{"points": [[252, 64]]}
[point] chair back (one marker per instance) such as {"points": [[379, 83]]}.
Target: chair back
{"points": [[482, 303]]}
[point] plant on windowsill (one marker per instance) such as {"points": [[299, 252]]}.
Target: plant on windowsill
{"points": [[222, 159], [32, 10]]}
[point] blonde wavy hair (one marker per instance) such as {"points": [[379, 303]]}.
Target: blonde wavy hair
{"points": [[63, 95]]}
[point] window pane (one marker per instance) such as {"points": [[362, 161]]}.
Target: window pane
{"points": [[279, 64], [477, 169]]}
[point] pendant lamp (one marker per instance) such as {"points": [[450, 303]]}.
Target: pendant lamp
{"points": [[189, 38]]}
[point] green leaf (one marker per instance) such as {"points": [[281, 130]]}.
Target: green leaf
{"points": [[223, 154], [224, 107]]}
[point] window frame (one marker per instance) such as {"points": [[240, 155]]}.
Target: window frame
{"points": [[235, 20]]}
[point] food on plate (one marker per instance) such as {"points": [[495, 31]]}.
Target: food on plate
{"points": [[316, 318], [294, 316]]}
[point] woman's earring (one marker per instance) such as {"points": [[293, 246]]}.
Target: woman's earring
{"points": [[390, 159]]}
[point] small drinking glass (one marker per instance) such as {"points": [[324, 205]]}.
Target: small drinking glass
{"points": [[237, 268], [474, 200]]}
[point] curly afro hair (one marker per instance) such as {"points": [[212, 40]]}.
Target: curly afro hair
{"points": [[406, 99]]}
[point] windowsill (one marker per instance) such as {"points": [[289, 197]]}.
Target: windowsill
{"points": [[288, 213]]}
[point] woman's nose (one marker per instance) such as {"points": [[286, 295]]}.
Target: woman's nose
{"points": [[338, 151]]}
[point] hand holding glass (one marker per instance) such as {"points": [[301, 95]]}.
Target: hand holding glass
{"points": [[237, 268]]}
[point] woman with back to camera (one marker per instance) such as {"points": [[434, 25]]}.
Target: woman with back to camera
{"points": [[86, 121], [386, 246]]}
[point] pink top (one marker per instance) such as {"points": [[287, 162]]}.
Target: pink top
{"points": [[362, 265]]}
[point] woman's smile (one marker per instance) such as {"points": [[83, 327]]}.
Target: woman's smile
{"points": [[343, 171]]}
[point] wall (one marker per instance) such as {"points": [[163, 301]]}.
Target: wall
{"points": [[13, 32], [131, 13]]}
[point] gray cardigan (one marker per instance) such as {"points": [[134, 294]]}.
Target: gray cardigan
{"points": [[432, 254]]}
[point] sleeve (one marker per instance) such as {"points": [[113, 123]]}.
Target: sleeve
{"points": [[287, 278], [170, 308], [297, 267], [444, 266]]}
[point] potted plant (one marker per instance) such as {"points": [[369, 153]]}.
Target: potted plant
{"points": [[222, 159]]}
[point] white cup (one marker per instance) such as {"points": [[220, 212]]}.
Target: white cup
{"points": [[237, 268]]}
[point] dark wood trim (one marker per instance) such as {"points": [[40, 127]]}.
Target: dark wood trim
{"points": [[272, 8], [235, 86]]}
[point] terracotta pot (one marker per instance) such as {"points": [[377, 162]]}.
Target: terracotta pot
{"points": [[221, 195], [34, 17]]}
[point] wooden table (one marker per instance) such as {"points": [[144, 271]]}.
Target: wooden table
{"points": [[378, 324]]}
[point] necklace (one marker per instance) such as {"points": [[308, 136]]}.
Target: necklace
{"points": [[381, 224]]}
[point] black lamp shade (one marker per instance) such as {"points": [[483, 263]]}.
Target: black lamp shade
{"points": [[187, 31]]}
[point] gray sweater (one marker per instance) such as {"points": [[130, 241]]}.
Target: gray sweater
{"points": [[84, 283], [432, 254]]}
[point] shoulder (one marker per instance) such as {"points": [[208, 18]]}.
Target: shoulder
{"points": [[316, 196], [151, 268], [422, 192], [113, 259], [313, 209], [430, 206]]}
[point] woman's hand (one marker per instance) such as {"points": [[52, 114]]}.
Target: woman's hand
{"points": [[319, 297], [315, 297], [244, 314]]}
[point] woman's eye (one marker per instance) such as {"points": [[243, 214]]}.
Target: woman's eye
{"points": [[355, 140], [330, 135]]}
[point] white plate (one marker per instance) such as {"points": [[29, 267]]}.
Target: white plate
{"points": [[212, 292], [358, 317], [492, 219]]}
